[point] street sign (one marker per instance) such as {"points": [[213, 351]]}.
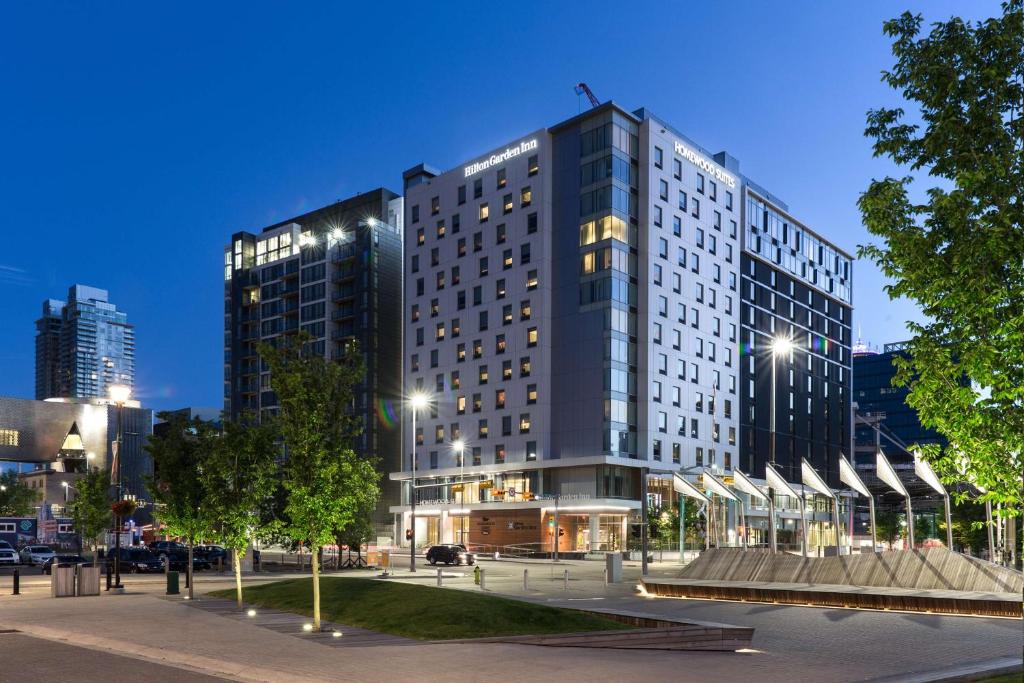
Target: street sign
{"points": [[487, 484], [511, 491]]}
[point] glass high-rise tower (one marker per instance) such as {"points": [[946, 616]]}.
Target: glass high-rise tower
{"points": [[83, 346]]}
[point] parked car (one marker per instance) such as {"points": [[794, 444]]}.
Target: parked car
{"points": [[62, 559], [159, 547], [36, 554], [211, 553], [450, 553], [135, 559], [179, 560], [8, 555]]}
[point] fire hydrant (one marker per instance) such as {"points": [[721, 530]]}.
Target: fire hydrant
{"points": [[476, 575]]}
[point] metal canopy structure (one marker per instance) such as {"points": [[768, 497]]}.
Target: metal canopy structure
{"points": [[812, 479], [686, 490], [714, 485], [776, 481], [885, 472], [848, 475], [926, 474]]}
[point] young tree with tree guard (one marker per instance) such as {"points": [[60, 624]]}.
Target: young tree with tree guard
{"points": [[240, 477], [327, 483], [90, 508], [957, 249], [180, 455]]}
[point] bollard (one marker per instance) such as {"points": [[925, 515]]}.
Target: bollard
{"points": [[482, 578], [476, 575], [526, 580], [565, 580], [438, 578], [605, 578], [17, 582]]}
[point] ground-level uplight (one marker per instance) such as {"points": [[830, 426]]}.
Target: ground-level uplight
{"points": [[336, 634], [251, 613], [307, 627]]}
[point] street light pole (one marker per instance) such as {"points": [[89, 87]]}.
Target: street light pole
{"points": [[779, 345], [417, 401], [119, 393]]}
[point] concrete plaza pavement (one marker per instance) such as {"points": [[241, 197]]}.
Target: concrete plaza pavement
{"points": [[791, 643]]}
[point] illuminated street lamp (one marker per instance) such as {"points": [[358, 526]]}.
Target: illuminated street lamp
{"points": [[119, 394], [417, 401], [780, 346]]}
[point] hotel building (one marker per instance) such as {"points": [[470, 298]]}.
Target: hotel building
{"points": [[576, 308]]}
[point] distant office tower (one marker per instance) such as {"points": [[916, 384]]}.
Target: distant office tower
{"points": [[48, 350], [83, 346], [335, 273]]}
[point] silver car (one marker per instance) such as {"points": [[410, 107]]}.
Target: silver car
{"points": [[8, 555], [36, 554]]}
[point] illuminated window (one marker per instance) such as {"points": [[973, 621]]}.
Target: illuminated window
{"points": [[524, 423], [439, 434], [439, 334], [524, 366], [440, 229], [525, 196], [435, 205], [531, 336], [506, 203], [499, 398], [481, 429], [9, 437], [482, 375], [478, 349], [524, 310], [484, 213], [532, 166], [502, 178], [460, 405], [531, 393], [506, 370], [499, 342], [531, 279]]}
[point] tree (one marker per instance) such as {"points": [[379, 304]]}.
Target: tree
{"points": [[239, 479], [16, 499], [327, 484], [180, 454], [90, 508], [960, 253]]}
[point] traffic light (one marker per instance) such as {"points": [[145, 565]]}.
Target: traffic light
{"points": [[635, 530]]}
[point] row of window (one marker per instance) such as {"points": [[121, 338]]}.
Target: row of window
{"points": [[483, 376], [482, 429], [476, 455], [501, 182]]}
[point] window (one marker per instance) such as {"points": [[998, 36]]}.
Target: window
{"points": [[501, 178], [663, 247], [525, 196], [414, 363], [506, 259], [477, 403], [531, 450], [439, 434], [506, 425], [476, 456], [482, 375], [663, 190], [662, 422], [415, 312], [677, 169], [506, 203], [657, 274], [658, 157], [524, 423], [531, 336], [700, 183], [506, 370], [499, 454], [531, 280], [416, 215], [499, 234], [478, 348], [499, 344], [483, 266], [656, 449], [531, 165], [415, 263], [657, 216], [499, 398], [456, 382], [506, 315], [728, 200], [531, 394], [435, 205], [439, 333], [656, 392], [478, 241], [531, 223], [524, 310], [499, 288], [462, 247], [482, 320], [524, 366], [460, 353], [696, 208], [481, 429], [677, 226], [712, 190], [524, 253], [682, 201], [462, 194], [421, 236], [483, 213], [478, 188]]}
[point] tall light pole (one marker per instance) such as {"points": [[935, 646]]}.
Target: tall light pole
{"points": [[779, 346], [416, 401], [460, 447], [119, 393]]}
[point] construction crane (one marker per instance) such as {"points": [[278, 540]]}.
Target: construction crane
{"points": [[582, 89]]}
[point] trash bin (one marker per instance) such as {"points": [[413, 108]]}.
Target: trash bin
{"points": [[172, 583], [88, 579], [613, 565], [62, 581]]}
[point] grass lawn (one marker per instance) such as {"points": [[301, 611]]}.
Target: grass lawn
{"points": [[421, 612]]}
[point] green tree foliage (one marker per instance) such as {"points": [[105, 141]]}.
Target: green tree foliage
{"points": [[240, 478], [90, 508], [180, 455], [328, 485], [959, 252], [16, 499]]}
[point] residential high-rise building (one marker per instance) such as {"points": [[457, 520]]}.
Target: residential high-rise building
{"points": [[48, 350], [83, 346], [574, 308], [336, 274]]}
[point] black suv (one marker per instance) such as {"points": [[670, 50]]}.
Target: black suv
{"points": [[450, 553], [135, 559]]}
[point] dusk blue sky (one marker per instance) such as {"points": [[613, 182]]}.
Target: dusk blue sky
{"points": [[137, 137]]}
